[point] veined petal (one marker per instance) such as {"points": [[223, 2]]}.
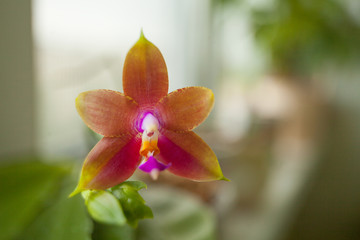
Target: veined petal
{"points": [[109, 113], [145, 76], [110, 162], [189, 156], [184, 109]]}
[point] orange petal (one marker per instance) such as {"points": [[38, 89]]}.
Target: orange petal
{"points": [[107, 112], [110, 162], [145, 77], [184, 109], [189, 156]]}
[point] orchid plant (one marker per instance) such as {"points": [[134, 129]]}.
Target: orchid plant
{"points": [[145, 127]]}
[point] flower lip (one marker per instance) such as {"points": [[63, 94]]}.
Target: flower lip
{"points": [[153, 164]]}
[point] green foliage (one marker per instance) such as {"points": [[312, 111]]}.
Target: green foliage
{"points": [[104, 207], [34, 204], [301, 34], [118, 205], [25, 188], [133, 204], [64, 219]]}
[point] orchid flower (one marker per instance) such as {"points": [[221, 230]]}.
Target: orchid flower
{"points": [[146, 126]]}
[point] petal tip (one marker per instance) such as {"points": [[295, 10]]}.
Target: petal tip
{"points": [[142, 38], [225, 179], [79, 103], [212, 96], [76, 191], [79, 98], [142, 34]]}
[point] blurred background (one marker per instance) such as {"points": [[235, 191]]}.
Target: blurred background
{"points": [[285, 125]]}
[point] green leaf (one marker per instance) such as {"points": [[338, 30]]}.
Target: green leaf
{"points": [[66, 219], [25, 187], [104, 207], [132, 203]]}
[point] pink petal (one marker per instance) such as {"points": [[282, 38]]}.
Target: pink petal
{"points": [[107, 112], [189, 156], [145, 76], [110, 162], [184, 109]]}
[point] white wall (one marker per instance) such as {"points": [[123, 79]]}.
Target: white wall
{"points": [[17, 110]]}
